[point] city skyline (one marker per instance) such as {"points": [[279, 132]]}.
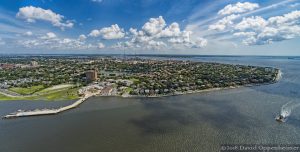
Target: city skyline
{"points": [[150, 27]]}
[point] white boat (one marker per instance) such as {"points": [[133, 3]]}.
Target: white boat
{"points": [[280, 118]]}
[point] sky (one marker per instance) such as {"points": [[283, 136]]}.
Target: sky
{"points": [[200, 27]]}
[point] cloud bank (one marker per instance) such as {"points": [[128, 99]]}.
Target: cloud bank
{"points": [[256, 30]]}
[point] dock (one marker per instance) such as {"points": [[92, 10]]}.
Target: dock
{"points": [[39, 112]]}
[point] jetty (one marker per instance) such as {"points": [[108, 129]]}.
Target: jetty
{"points": [[38, 112]]}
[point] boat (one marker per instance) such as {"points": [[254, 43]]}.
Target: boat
{"points": [[280, 118]]}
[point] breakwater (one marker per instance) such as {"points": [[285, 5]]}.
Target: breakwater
{"points": [[38, 112]]}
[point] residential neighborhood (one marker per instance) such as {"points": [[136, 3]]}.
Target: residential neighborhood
{"points": [[128, 77]]}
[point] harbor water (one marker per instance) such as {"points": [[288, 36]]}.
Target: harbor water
{"points": [[193, 122]]}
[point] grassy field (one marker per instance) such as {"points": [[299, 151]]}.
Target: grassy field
{"points": [[56, 87], [63, 94], [27, 91], [53, 94], [3, 97]]}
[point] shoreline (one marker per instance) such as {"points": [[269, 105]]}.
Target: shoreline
{"points": [[37, 112], [45, 111], [189, 92], [276, 79]]}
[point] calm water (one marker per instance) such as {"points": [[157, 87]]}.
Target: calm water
{"points": [[196, 122]]}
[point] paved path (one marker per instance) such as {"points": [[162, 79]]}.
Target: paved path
{"points": [[9, 93]]}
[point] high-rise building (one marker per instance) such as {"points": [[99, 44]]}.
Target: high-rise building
{"points": [[91, 75]]}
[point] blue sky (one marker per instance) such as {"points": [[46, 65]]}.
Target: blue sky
{"points": [[214, 27]]}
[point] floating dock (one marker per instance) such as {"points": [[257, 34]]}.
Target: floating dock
{"points": [[38, 112]]}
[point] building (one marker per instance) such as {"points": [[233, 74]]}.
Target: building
{"points": [[7, 66], [91, 75], [34, 64], [106, 91]]}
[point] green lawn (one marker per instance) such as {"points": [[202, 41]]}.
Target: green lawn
{"points": [[55, 88], [27, 91], [49, 95], [64, 94], [3, 97]]}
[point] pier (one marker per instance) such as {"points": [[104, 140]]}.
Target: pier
{"points": [[38, 112]]}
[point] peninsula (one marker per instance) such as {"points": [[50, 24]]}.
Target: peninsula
{"points": [[67, 78], [70, 77]]}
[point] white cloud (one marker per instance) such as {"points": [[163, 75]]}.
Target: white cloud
{"points": [[223, 23], [112, 32], [258, 31], [101, 45], [186, 40], [245, 34], [269, 34], [82, 37], [51, 41], [31, 14], [49, 35], [139, 36], [183, 39], [171, 31], [231, 13], [146, 45], [255, 23], [290, 18], [199, 43], [94, 33], [98, 1], [124, 45], [155, 34], [2, 42], [238, 8], [133, 31], [152, 44], [28, 33], [154, 26], [65, 41]]}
